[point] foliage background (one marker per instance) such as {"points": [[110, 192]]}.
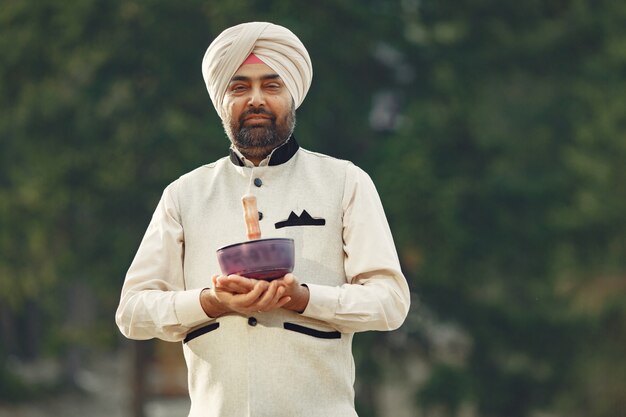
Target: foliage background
{"points": [[495, 132]]}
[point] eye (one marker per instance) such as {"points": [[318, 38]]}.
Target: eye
{"points": [[237, 88]]}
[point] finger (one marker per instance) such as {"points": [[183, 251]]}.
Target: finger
{"points": [[289, 279], [283, 301], [219, 281], [219, 289], [280, 292], [268, 300], [233, 287], [240, 303], [243, 282], [280, 299], [250, 298], [235, 283], [223, 286]]}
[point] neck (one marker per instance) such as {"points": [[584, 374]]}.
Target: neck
{"points": [[258, 154], [255, 155]]}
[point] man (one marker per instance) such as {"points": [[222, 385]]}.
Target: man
{"points": [[253, 347]]}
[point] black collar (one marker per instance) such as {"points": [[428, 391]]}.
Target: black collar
{"points": [[279, 156]]}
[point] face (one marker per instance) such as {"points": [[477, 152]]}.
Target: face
{"points": [[261, 112]]}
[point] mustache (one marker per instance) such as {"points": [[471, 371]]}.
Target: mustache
{"points": [[256, 110]]}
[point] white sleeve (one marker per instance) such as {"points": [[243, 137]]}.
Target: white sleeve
{"points": [[377, 297], [154, 301]]}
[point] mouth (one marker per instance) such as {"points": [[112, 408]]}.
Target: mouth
{"points": [[256, 115], [256, 118]]}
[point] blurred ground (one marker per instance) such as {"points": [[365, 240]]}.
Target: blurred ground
{"points": [[106, 380], [105, 383]]}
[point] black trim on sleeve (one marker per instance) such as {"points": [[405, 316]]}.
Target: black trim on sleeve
{"points": [[199, 332], [312, 332]]}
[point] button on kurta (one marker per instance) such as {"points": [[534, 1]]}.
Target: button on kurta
{"points": [[258, 182], [252, 321]]}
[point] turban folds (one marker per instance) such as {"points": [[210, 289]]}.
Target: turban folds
{"points": [[275, 45]]}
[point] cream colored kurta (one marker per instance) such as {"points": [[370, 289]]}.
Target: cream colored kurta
{"points": [[279, 363]]}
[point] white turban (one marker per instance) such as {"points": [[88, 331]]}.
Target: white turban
{"points": [[275, 45]]}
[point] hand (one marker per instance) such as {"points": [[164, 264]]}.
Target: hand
{"points": [[242, 295], [235, 284], [299, 294]]}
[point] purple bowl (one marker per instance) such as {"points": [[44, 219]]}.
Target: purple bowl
{"points": [[260, 259]]}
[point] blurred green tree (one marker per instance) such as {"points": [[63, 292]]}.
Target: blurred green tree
{"points": [[510, 167]]}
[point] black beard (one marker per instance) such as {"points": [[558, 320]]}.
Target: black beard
{"points": [[257, 141]]}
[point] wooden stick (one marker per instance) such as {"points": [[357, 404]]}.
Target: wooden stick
{"points": [[251, 217]]}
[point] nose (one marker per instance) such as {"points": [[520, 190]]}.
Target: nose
{"points": [[257, 98]]}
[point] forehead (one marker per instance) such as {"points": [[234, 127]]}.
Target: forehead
{"points": [[254, 71]]}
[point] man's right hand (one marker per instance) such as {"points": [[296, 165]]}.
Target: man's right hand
{"points": [[241, 295]]}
